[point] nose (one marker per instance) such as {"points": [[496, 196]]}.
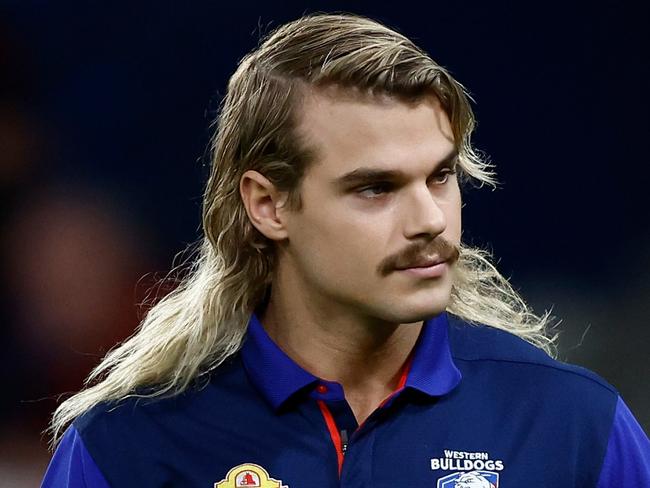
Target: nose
{"points": [[423, 214]]}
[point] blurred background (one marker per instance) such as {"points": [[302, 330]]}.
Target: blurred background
{"points": [[105, 110]]}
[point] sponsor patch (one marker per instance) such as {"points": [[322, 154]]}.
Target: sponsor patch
{"points": [[249, 476]]}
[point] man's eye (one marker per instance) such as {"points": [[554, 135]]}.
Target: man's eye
{"points": [[442, 177], [374, 191]]}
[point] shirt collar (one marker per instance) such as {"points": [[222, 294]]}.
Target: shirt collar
{"points": [[432, 369]]}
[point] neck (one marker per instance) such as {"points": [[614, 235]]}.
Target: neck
{"points": [[364, 355]]}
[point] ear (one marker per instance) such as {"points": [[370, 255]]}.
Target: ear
{"points": [[264, 204]]}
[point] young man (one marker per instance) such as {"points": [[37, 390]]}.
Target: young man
{"points": [[333, 330]]}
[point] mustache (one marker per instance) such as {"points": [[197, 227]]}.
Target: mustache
{"points": [[439, 247]]}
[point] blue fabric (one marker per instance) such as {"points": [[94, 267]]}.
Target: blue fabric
{"points": [[270, 369], [278, 377], [72, 466], [433, 370], [627, 462], [478, 402]]}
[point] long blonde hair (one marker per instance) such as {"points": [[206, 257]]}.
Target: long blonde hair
{"points": [[203, 321]]}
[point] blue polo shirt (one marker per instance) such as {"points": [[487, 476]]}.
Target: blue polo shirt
{"points": [[475, 406]]}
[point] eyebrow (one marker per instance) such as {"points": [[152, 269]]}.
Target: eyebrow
{"points": [[370, 175]]}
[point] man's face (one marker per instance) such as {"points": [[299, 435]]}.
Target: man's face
{"points": [[353, 233]]}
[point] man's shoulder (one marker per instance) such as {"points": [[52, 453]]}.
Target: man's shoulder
{"points": [[135, 433], [148, 409], [110, 416], [504, 350]]}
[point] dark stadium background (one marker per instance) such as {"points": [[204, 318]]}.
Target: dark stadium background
{"points": [[105, 110]]}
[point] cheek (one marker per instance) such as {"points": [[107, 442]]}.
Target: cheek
{"points": [[342, 242], [453, 216], [351, 237], [454, 226]]}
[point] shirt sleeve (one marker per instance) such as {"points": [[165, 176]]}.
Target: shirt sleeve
{"points": [[627, 459], [72, 466]]}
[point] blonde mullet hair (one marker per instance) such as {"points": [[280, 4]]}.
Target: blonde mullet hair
{"points": [[196, 327]]}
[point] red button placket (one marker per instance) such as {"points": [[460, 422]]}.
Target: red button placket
{"points": [[340, 443]]}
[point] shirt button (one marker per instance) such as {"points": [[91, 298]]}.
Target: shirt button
{"points": [[321, 389]]}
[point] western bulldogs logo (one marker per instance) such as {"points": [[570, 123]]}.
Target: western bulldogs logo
{"points": [[473, 479], [469, 469]]}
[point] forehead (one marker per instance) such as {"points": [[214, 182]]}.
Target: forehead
{"points": [[348, 130]]}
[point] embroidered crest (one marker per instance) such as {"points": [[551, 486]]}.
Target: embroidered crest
{"points": [[470, 469], [249, 476], [472, 479]]}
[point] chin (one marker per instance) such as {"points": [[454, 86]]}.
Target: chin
{"points": [[424, 314], [398, 306], [427, 305], [406, 313]]}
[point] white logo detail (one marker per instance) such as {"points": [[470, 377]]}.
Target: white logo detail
{"points": [[472, 480]]}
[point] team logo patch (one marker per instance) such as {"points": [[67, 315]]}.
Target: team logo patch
{"points": [[470, 469], [471, 479], [249, 476]]}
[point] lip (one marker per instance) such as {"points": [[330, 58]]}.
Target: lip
{"points": [[435, 270]]}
